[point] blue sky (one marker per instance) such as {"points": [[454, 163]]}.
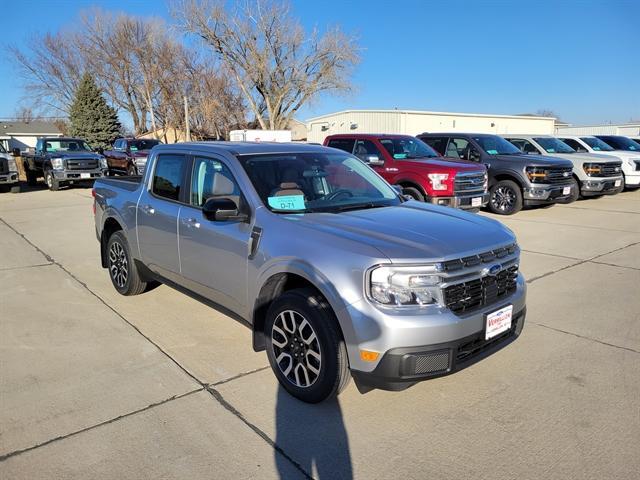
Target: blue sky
{"points": [[579, 59]]}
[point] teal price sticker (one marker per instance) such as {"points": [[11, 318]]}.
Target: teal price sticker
{"points": [[287, 202], [492, 152]]}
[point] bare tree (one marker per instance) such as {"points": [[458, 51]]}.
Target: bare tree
{"points": [[546, 113], [51, 68], [24, 114], [277, 67]]}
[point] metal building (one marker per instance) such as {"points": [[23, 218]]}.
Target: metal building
{"points": [[412, 122], [625, 129]]}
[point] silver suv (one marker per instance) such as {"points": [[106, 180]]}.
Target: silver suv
{"points": [[336, 273]]}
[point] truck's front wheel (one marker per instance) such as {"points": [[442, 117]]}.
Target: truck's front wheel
{"points": [[51, 181], [505, 198], [122, 269], [305, 348]]}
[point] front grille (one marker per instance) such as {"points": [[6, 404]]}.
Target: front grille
{"points": [[469, 183], [78, 164], [473, 260], [473, 294], [558, 175], [607, 169], [4, 165]]}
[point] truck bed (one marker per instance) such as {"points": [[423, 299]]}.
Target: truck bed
{"points": [[129, 183]]}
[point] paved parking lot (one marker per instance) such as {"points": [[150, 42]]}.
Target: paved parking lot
{"points": [[95, 385]]}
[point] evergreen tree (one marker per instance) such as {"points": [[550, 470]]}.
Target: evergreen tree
{"points": [[90, 116]]}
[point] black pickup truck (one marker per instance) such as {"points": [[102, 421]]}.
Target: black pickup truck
{"points": [[515, 178], [63, 161]]}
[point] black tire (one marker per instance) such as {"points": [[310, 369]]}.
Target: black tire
{"points": [[575, 193], [505, 198], [122, 269], [52, 183], [413, 193], [32, 177], [132, 170], [322, 370]]}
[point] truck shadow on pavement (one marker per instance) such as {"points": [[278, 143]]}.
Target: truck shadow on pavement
{"points": [[312, 435]]}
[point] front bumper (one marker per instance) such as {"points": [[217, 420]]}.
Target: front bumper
{"points": [[545, 194], [632, 180], [401, 368], [72, 176], [601, 186], [9, 178], [464, 202]]}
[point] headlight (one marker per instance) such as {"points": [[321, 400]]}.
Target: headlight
{"points": [[404, 286], [13, 166], [103, 162], [592, 168], [437, 180], [536, 174], [57, 163]]}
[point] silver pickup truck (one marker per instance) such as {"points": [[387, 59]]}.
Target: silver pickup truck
{"points": [[337, 275]]}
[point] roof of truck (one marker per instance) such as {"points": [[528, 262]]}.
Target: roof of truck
{"points": [[244, 148]]}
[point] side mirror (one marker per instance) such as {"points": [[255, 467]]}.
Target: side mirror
{"points": [[373, 160], [472, 155], [222, 209], [99, 150], [15, 152]]}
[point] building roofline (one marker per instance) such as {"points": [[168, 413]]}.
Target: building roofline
{"points": [[428, 112]]}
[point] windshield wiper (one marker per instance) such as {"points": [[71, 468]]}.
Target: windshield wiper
{"points": [[359, 206]]}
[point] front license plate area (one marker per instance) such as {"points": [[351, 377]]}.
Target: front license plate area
{"points": [[566, 190], [85, 175], [476, 202], [618, 183], [498, 322]]}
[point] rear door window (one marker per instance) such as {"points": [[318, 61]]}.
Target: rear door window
{"points": [[366, 149], [439, 144], [169, 176], [345, 144]]}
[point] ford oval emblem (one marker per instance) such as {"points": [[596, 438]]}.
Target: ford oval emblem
{"points": [[494, 269], [565, 174]]}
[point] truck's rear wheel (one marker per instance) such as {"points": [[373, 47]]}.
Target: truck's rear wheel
{"points": [[51, 181], [32, 177], [505, 198], [305, 347], [122, 269]]}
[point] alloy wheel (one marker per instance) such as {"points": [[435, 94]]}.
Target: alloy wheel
{"points": [[296, 348], [503, 199], [118, 264]]}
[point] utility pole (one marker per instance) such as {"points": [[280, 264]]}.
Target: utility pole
{"points": [[186, 119]]}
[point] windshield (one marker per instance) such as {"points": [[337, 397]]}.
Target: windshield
{"points": [[135, 145], [596, 144], [408, 147], [494, 145], [67, 145], [316, 182], [622, 143], [553, 145]]}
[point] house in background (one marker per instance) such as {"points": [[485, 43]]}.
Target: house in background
{"points": [[24, 135]]}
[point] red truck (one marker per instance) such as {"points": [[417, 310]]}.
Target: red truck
{"points": [[416, 167], [129, 155]]}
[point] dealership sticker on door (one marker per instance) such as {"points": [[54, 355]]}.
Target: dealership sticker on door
{"points": [[618, 183], [566, 190], [476, 202], [498, 322]]}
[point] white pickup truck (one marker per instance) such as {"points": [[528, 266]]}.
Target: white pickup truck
{"points": [[630, 159], [593, 174]]}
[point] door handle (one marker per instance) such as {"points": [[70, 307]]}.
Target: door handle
{"points": [[149, 209], [191, 222]]}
